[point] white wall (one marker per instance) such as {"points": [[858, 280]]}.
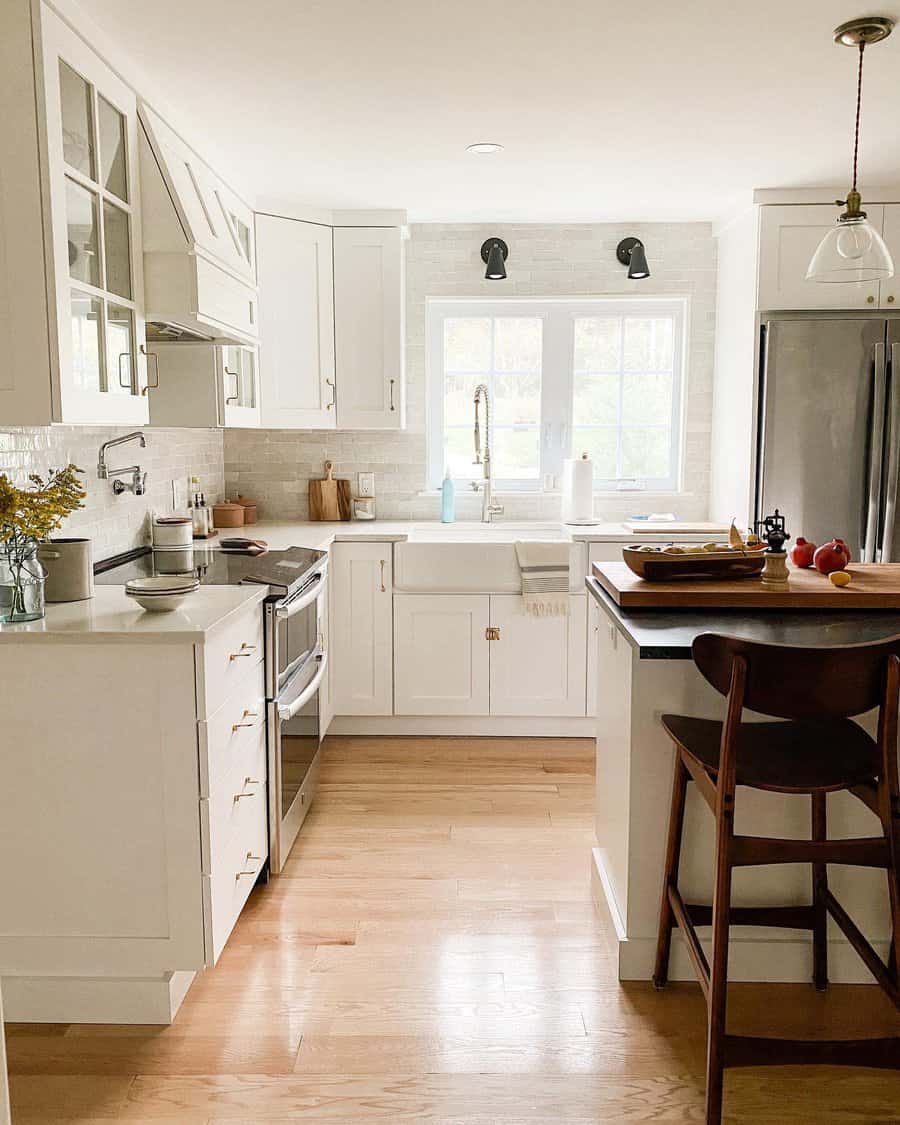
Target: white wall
{"points": [[731, 447], [115, 523], [274, 466]]}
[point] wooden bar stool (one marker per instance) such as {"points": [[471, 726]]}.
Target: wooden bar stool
{"points": [[817, 750]]}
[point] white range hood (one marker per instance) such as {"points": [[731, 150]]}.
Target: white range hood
{"points": [[199, 252]]}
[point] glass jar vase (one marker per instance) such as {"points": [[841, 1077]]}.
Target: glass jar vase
{"points": [[21, 583]]}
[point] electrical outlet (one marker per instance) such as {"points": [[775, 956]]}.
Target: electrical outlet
{"points": [[365, 484]]}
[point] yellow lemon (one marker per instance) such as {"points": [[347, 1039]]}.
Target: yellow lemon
{"points": [[839, 578]]}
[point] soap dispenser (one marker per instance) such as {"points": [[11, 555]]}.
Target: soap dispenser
{"points": [[448, 499]]}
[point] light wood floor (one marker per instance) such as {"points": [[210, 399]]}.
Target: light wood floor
{"points": [[432, 955]]}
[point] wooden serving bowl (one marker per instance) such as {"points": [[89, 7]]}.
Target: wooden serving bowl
{"points": [[657, 566]]}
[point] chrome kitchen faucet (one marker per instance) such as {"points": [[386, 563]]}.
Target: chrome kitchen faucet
{"points": [[138, 479]]}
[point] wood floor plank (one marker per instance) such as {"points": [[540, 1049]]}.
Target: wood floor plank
{"points": [[432, 956]]}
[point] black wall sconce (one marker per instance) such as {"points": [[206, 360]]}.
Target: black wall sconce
{"points": [[630, 252], [494, 252]]}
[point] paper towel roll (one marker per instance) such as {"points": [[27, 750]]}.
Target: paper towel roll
{"points": [[578, 490]]}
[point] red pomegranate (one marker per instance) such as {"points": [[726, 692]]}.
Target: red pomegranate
{"points": [[802, 552], [831, 556]]}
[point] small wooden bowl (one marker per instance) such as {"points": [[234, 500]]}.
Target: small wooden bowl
{"points": [[657, 566]]}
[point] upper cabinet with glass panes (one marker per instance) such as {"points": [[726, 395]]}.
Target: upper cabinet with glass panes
{"points": [[213, 218], [95, 219]]}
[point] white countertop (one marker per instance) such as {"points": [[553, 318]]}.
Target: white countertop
{"points": [[110, 615], [297, 533]]}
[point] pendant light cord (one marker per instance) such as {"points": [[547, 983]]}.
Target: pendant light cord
{"points": [[862, 48]]}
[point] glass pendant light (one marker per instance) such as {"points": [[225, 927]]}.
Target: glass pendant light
{"points": [[853, 250]]}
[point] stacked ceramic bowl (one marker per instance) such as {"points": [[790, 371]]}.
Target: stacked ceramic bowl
{"points": [[161, 594]]}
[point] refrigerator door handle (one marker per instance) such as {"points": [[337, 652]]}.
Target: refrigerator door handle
{"points": [[893, 462], [876, 452]]}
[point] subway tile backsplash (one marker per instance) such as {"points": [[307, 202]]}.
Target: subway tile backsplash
{"points": [[443, 260], [116, 523]]}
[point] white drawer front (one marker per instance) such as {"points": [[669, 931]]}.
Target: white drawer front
{"points": [[232, 879], [236, 805], [239, 724], [231, 652]]}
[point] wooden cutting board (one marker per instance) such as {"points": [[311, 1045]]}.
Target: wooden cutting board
{"points": [[329, 499], [873, 586]]}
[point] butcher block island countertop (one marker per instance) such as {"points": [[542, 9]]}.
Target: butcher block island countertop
{"points": [[873, 586]]}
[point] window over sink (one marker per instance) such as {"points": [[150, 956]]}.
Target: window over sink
{"points": [[600, 375]]}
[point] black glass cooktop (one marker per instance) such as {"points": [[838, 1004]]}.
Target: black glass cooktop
{"points": [[214, 567]]}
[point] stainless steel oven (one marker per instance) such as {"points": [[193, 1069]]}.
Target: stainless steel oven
{"points": [[296, 664]]}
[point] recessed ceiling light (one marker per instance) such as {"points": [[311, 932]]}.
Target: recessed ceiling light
{"points": [[484, 146]]}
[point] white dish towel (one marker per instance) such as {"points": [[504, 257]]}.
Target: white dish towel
{"points": [[545, 577]]}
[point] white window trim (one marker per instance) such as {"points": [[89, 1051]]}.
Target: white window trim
{"points": [[556, 403]]}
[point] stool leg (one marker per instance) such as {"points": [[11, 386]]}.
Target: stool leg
{"points": [[718, 978], [820, 886], [673, 855]]}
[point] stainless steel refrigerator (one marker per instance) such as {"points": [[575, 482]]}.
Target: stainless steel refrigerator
{"points": [[828, 435]]}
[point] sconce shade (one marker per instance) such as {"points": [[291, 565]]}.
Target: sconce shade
{"points": [[494, 252], [630, 252]]}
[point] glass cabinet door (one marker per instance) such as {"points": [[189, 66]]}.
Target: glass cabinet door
{"points": [[91, 133], [240, 386]]}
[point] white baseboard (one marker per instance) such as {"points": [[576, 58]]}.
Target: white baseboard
{"points": [[95, 999], [462, 725], [750, 958]]}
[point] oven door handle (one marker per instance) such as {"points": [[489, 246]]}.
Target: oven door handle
{"points": [[313, 589], [289, 710]]}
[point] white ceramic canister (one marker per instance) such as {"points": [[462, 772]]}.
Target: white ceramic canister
{"points": [[172, 533]]}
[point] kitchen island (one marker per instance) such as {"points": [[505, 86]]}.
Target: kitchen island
{"points": [[644, 670]]}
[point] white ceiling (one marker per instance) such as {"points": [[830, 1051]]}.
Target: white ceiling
{"points": [[647, 111]]}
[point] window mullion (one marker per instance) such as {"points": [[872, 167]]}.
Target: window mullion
{"points": [[556, 391]]}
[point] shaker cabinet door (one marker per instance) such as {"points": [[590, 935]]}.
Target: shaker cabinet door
{"points": [[296, 323], [368, 312], [441, 653], [362, 680]]}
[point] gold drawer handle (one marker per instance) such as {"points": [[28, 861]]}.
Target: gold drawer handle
{"points": [[250, 781], [247, 715], [239, 796], [248, 858], [245, 874], [246, 650], [383, 565]]}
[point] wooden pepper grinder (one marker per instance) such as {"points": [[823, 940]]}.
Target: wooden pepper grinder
{"points": [[775, 574]]}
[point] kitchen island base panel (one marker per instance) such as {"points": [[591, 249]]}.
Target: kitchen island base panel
{"points": [[123, 1000], [635, 759]]}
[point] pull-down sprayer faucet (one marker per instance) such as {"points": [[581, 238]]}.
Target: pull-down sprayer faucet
{"points": [[488, 507]]}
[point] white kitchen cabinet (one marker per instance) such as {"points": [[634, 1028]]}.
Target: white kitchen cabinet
{"points": [[441, 654], [152, 806], [362, 628], [296, 310], [537, 663], [789, 235], [458, 654], [368, 325], [71, 285], [202, 385]]}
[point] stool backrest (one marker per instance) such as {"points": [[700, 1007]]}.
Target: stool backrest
{"points": [[795, 682]]}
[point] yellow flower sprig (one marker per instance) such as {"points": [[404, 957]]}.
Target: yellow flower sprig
{"points": [[36, 512]]}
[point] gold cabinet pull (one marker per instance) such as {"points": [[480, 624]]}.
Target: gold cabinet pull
{"points": [[492, 633], [383, 565], [240, 796], [330, 405], [250, 781], [247, 715], [392, 395], [246, 650]]}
